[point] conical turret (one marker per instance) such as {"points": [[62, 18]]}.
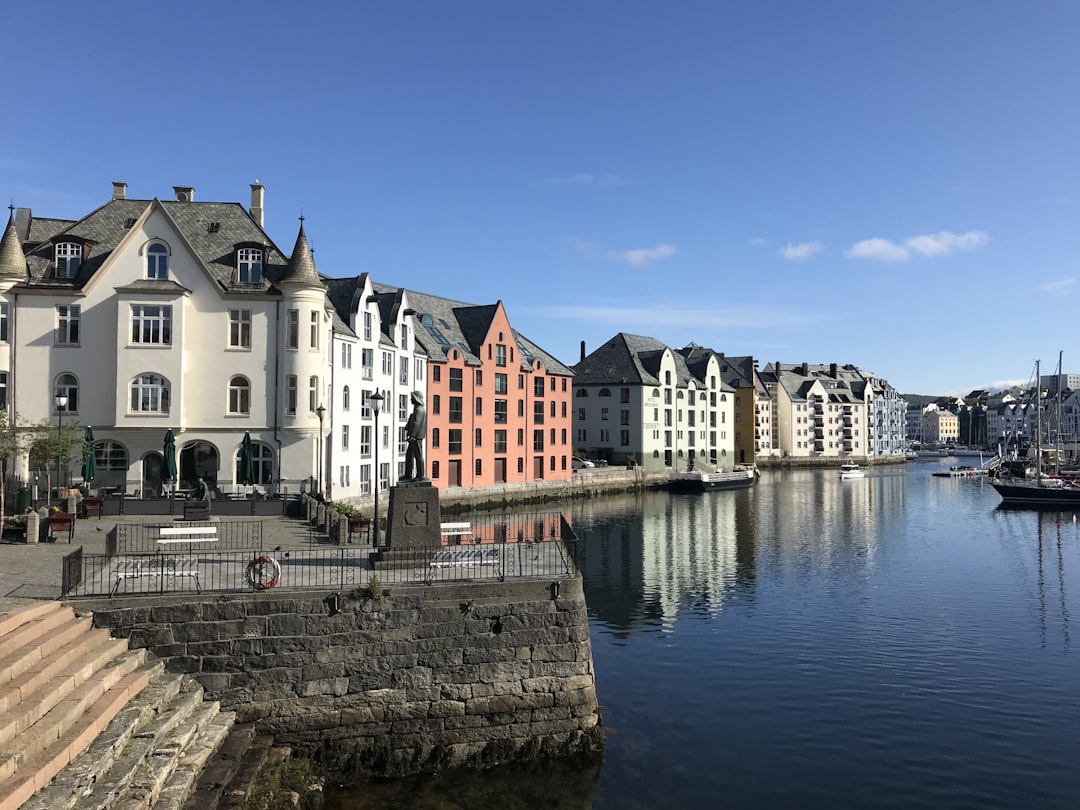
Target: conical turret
{"points": [[301, 270], [12, 258]]}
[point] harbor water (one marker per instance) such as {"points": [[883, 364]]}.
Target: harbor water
{"points": [[897, 641]]}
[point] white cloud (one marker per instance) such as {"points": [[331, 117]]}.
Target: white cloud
{"points": [[801, 251], [1061, 287], [944, 243], [643, 257], [881, 250], [930, 245], [587, 179]]}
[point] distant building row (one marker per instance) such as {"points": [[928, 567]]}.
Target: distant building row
{"points": [[639, 400]]}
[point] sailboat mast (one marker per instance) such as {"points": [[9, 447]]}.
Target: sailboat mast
{"points": [[1038, 426]]}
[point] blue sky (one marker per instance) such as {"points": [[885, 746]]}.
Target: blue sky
{"points": [[892, 185]]}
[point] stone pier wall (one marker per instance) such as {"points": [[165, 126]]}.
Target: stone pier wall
{"points": [[400, 682]]}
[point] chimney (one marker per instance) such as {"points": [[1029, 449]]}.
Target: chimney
{"points": [[805, 370], [583, 351], [257, 191], [832, 370], [119, 190], [184, 193]]}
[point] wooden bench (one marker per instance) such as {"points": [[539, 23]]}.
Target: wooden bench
{"points": [[462, 531], [465, 557], [61, 522], [92, 504], [168, 535], [155, 567]]}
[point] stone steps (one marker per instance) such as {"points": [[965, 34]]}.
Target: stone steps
{"points": [[228, 779], [88, 724]]}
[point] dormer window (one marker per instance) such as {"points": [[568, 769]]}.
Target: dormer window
{"points": [[68, 259], [157, 261], [249, 265]]}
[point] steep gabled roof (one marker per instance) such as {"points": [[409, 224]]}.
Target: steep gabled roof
{"points": [[212, 230], [619, 362]]}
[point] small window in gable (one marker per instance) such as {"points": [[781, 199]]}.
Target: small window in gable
{"points": [[68, 259], [249, 263], [157, 261]]}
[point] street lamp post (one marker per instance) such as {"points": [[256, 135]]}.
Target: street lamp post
{"points": [[376, 403], [321, 411], [61, 404]]}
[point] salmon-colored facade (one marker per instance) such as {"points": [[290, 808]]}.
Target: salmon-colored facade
{"points": [[498, 407]]}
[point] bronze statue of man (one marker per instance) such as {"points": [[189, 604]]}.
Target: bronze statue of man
{"points": [[416, 433]]}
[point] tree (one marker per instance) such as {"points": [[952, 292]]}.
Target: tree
{"points": [[12, 442], [47, 444]]}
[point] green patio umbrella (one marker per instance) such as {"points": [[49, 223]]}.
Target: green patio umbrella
{"points": [[246, 471], [89, 462], [169, 473]]}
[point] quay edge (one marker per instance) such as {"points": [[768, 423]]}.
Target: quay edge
{"points": [[416, 680]]}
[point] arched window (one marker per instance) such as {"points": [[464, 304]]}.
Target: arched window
{"points": [[157, 261], [262, 460], [149, 394], [581, 393], [68, 386], [345, 398], [249, 265], [604, 392], [239, 396], [656, 393]]}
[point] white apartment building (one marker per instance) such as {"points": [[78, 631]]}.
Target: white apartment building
{"points": [[636, 398], [155, 315]]}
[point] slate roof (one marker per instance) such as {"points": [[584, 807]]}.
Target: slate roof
{"points": [[620, 362], [12, 258], [103, 229], [459, 324]]}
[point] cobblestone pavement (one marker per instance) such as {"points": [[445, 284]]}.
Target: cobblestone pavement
{"points": [[32, 571]]}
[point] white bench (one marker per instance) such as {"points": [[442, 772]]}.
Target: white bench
{"points": [[464, 557], [169, 535], [462, 531], [155, 567]]}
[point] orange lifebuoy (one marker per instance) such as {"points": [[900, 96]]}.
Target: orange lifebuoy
{"points": [[257, 572]]}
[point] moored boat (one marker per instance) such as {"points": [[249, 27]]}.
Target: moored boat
{"points": [[850, 472], [703, 480]]}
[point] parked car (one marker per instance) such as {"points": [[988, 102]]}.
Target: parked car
{"points": [[581, 463]]}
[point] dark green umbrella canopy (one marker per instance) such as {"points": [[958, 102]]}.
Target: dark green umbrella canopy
{"points": [[170, 458], [89, 463], [247, 461]]}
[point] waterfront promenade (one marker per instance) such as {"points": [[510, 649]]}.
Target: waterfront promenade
{"points": [[31, 572]]}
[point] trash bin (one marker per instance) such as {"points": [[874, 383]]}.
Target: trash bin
{"points": [[22, 499]]}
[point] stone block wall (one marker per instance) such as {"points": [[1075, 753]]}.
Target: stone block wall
{"points": [[406, 681]]}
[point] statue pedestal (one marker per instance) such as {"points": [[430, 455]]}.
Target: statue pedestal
{"points": [[413, 517]]}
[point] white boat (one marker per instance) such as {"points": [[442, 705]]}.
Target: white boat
{"points": [[850, 472], [739, 478]]}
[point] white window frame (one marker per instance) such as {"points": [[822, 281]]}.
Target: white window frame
{"points": [[149, 393], [150, 328], [239, 396], [249, 262], [68, 317], [157, 261], [240, 329], [68, 256]]}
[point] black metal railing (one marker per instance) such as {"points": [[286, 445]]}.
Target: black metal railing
{"points": [[217, 571], [492, 548], [148, 538]]}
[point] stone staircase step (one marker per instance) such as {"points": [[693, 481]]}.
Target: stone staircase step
{"points": [[42, 718], [155, 771], [91, 648], [79, 720], [236, 792], [174, 794], [112, 752], [222, 768], [24, 645], [12, 619]]}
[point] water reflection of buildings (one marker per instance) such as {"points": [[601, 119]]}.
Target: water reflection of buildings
{"points": [[647, 558], [811, 520]]}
